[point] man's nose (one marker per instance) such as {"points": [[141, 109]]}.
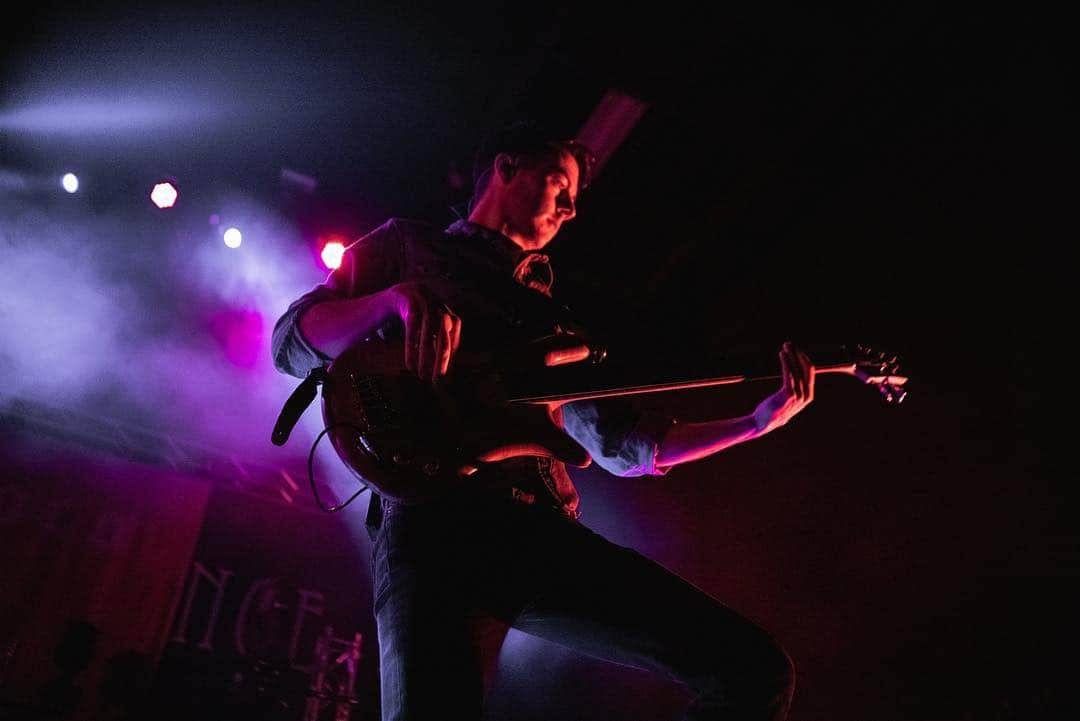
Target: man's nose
{"points": [[565, 205]]}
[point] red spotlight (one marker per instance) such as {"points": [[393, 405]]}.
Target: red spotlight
{"points": [[332, 253], [164, 195]]}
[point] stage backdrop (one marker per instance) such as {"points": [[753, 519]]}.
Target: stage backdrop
{"points": [[134, 587], [93, 554], [267, 581]]}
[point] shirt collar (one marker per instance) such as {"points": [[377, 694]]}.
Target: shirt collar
{"points": [[501, 246], [529, 269]]}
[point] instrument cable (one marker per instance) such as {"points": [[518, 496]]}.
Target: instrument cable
{"points": [[311, 473]]}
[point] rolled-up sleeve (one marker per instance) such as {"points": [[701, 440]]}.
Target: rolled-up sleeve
{"points": [[622, 439], [370, 264]]}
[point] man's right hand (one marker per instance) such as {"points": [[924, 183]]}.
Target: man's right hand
{"points": [[432, 330]]}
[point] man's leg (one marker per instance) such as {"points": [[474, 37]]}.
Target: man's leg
{"points": [[430, 667], [613, 603]]}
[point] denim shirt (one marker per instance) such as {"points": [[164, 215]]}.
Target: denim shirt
{"points": [[503, 296]]}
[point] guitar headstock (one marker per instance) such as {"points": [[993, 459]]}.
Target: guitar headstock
{"points": [[881, 369]]}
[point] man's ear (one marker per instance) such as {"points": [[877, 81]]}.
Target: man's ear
{"points": [[505, 166]]}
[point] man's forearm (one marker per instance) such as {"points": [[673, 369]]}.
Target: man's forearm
{"points": [[685, 442], [334, 325]]}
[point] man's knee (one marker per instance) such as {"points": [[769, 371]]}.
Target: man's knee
{"points": [[774, 685], [784, 681], [765, 680]]}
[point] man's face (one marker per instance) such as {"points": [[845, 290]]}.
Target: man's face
{"points": [[541, 197]]}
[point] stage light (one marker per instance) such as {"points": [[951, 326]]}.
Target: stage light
{"points": [[233, 238], [70, 182], [164, 195], [332, 254]]}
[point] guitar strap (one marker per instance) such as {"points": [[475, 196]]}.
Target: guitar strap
{"points": [[297, 403]]}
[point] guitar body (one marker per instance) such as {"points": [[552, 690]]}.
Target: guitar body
{"points": [[413, 442], [389, 428]]}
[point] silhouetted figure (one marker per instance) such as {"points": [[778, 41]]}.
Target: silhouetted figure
{"points": [[72, 655]]}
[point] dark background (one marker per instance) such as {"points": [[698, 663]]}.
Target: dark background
{"points": [[886, 177]]}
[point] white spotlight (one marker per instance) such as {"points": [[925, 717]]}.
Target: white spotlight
{"points": [[232, 238], [70, 182], [164, 195]]}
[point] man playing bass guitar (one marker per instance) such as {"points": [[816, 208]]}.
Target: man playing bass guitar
{"points": [[506, 547]]}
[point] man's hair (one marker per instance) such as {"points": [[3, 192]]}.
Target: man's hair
{"points": [[532, 143]]}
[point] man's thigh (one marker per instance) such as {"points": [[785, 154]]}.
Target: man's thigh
{"points": [[613, 603]]}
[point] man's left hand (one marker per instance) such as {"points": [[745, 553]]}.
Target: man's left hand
{"points": [[795, 394]]}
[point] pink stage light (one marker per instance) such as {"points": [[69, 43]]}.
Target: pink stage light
{"points": [[332, 254], [164, 195]]}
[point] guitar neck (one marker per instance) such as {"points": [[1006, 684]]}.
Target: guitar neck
{"points": [[572, 383]]}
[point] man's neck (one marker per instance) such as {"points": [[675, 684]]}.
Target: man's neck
{"points": [[490, 216]]}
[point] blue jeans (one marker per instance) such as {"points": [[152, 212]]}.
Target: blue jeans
{"points": [[441, 569]]}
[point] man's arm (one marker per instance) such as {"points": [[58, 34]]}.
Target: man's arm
{"points": [[361, 296], [369, 266], [685, 442], [432, 331], [332, 326]]}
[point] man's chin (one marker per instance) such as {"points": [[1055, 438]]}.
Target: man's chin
{"points": [[540, 237], [546, 231]]}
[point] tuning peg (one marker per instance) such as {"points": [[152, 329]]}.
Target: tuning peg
{"points": [[893, 395]]}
